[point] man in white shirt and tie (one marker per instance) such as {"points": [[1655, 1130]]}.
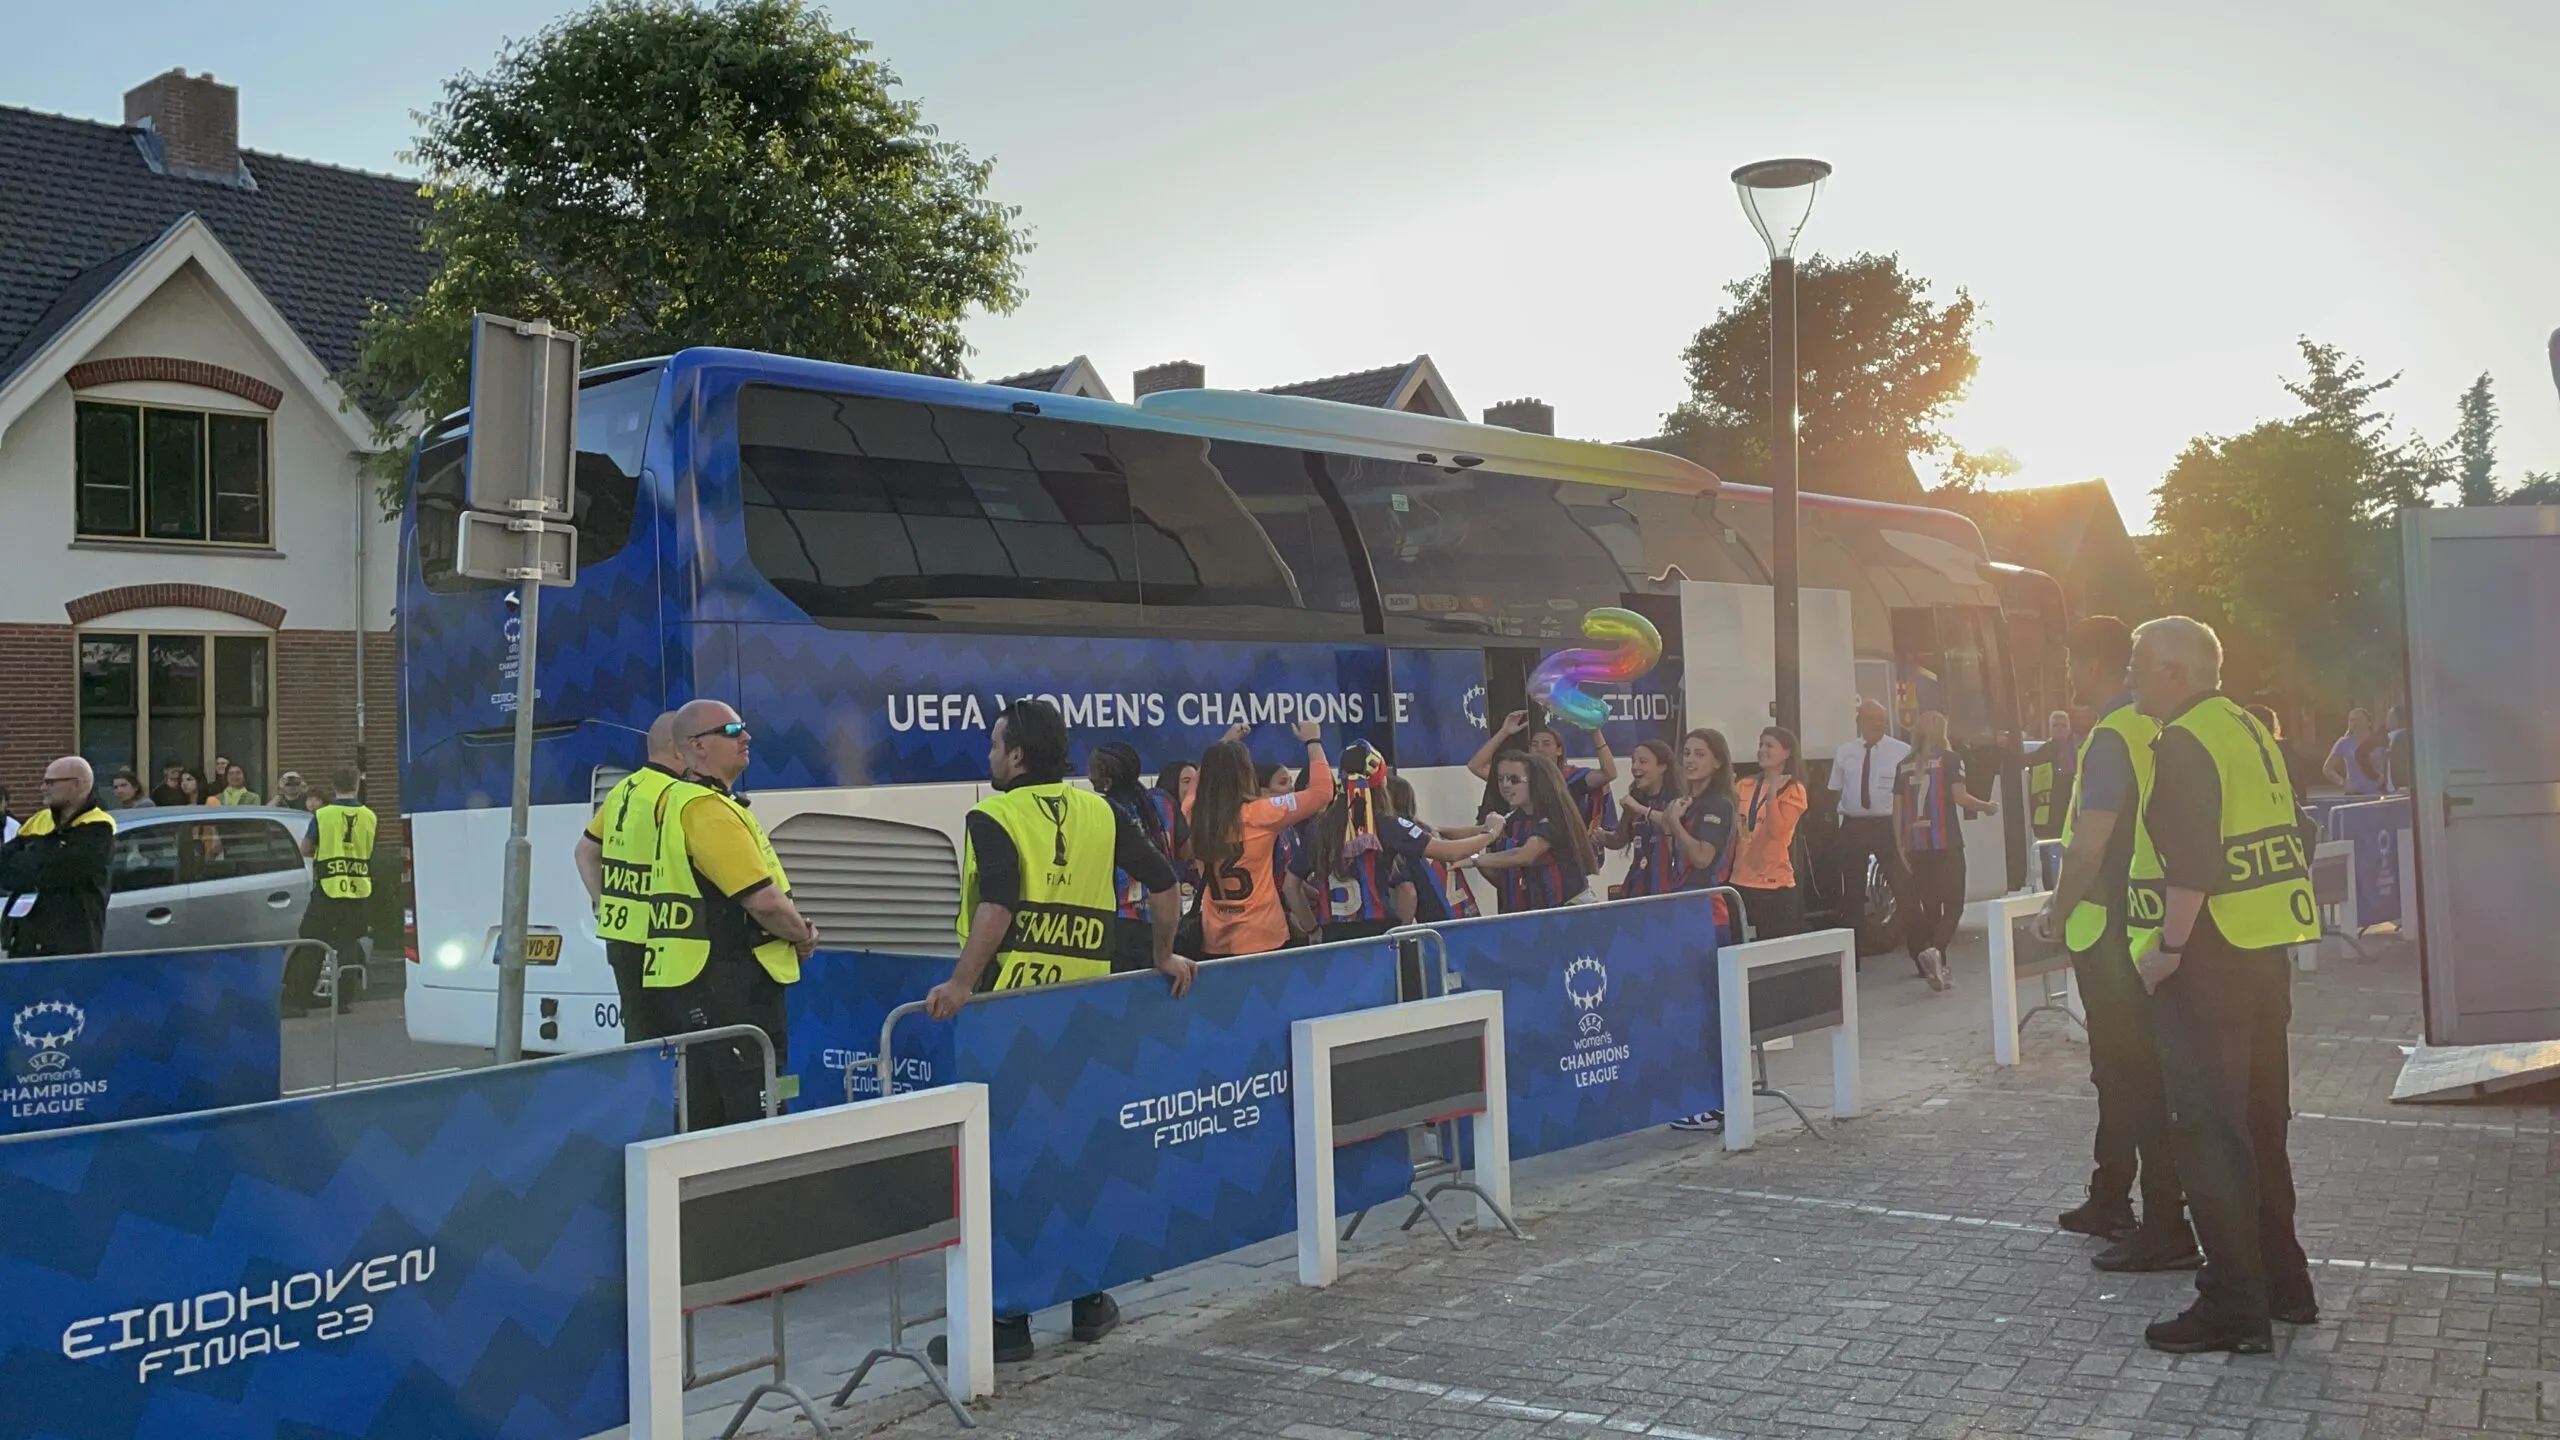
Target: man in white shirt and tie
{"points": [[1862, 779]]}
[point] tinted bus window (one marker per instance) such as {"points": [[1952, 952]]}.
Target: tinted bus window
{"points": [[1476, 553], [1234, 537], [613, 433], [866, 509]]}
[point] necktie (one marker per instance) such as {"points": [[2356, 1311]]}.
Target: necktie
{"points": [[1867, 777]]}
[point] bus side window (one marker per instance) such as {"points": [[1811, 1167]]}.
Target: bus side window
{"points": [[860, 508], [1233, 536]]}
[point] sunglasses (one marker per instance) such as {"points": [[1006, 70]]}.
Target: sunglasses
{"points": [[734, 730]]}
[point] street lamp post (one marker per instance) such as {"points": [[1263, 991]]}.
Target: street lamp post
{"points": [[1778, 196]]}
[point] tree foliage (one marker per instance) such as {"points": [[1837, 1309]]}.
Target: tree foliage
{"points": [[1881, 366], [2475, 444], [2283, 538], [655, 174]]}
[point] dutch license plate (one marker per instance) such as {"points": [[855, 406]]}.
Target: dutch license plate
{"points": [[541, 947]]}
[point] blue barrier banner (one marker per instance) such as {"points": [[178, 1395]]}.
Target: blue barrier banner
{"points": [[1132, 1132], [835, 1014], [94, 1038], [1608, 1014], [442, 1258], [2378, 828]]}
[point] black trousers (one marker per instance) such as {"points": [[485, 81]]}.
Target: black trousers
{"points": [[1773, 913], [1862, 836], [630, 959], [2221, 1021], [724, 1079], [1933, 902], [339, 924], [2124, 1063]]}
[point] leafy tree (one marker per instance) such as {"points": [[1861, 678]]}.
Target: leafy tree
{"points": [[655, 174], [2283, 538], [1882, 364], [2475, 444]]}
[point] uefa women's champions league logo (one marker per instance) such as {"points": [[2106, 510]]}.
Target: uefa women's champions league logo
{"points": [[1596, 1054], [48, 1027], [1586, 983]]}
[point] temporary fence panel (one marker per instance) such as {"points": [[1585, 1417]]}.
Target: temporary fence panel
{"points": [[2379, 829], [1132, 1133], [835, 1016], [97, 1038], [442, 1257], [1608, 1012]]}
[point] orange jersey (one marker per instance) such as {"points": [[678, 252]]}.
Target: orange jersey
{"points": [[1240, 910], [1762, 858]]}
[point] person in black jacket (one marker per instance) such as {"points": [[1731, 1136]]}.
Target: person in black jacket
{"points": [[54, 874]]}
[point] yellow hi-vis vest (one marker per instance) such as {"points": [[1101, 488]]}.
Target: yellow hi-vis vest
{"points": [[342, 850], [41, 822], [679, 920], [1067, 839], [2263, 897], [2040, 794], [630, 845], [2144, 903]]}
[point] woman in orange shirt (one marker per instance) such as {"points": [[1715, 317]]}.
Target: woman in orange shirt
{"points": [[1767, 808], [1233, 830]]}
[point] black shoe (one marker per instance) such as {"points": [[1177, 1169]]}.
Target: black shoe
{"points": [[2197, 1334], [2296, 1310], [1013, 1343], [2147, 1250], [1093, 1317], [2103, 1218]]}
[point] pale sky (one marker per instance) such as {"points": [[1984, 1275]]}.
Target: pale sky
{"points": [[2149, 202]]}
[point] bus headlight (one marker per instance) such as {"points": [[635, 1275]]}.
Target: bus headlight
{"points": [[450, 954]]}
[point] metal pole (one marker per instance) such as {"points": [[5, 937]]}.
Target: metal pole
{"points": [[1782, 521], [519, 878]]}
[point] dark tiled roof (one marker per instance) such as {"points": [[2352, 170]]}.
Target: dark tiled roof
{"points": [[1361, 387], [1036, 379], [78, 202]]}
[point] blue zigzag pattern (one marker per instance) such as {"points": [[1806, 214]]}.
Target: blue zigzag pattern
{"points": [[513, 1175], [166, 1033], [1657, 961], [1087, 1193]]}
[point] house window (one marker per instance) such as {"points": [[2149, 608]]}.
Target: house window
{"points": [[146, 472], [148, 700]]}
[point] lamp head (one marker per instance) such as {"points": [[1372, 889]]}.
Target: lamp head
{"points": [[1778, 195]]}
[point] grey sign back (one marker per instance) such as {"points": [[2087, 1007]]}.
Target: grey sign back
{"points": [[508, 357]]}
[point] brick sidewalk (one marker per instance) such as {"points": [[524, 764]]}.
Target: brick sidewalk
{"points": [[1902, 1280]]}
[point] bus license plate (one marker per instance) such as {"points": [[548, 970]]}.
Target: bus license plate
{"points": [[541, 947]]}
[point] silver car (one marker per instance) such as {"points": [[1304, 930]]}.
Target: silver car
{"points": [[207, 875]]}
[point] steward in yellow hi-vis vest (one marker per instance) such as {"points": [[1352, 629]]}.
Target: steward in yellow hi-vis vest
{"points": [[688, 924], [342, 847], [2106, 907], [616, 857], [2236, 867], [724, 937], [1062, 840], [54, 873], [2127, 892], [2259, 893], [340, 914], [1039, 894]]}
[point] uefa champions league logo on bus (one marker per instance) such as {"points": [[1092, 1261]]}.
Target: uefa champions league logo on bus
{"points": [[1471, 705], [48, 1027]]}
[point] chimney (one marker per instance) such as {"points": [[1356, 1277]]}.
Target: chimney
{"points": [[1171, 375], [1535, 416], [195, 123]]}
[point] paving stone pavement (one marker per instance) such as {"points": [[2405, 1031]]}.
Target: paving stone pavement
{"points": [[1901, 1279]]}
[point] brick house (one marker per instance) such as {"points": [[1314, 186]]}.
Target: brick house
{"points": [[191, 559]]}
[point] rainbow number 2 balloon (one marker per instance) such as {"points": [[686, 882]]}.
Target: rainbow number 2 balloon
{"points": [[1634, 648]]}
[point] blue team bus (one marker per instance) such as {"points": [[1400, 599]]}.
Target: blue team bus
{"points": [[867, 564]]}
